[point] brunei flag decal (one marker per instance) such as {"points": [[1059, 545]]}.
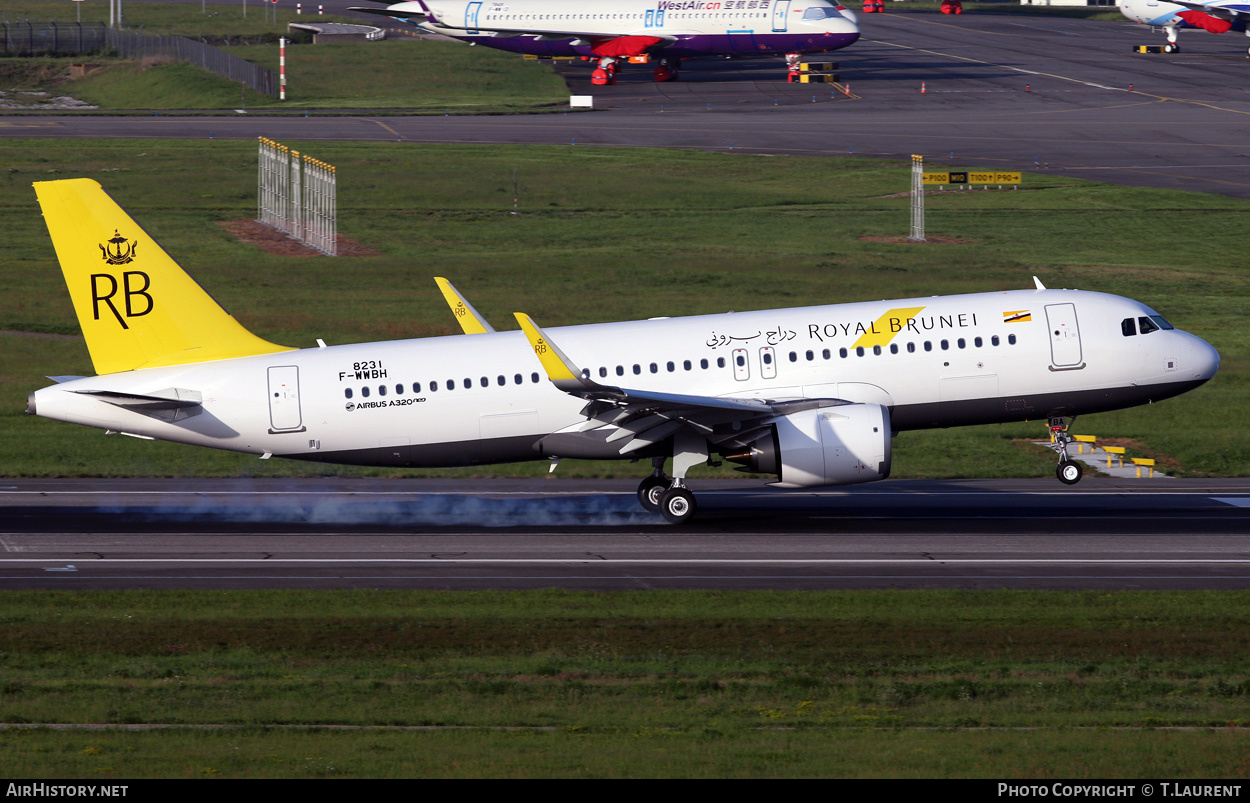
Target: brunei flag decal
{"points": [[1017, 316]]}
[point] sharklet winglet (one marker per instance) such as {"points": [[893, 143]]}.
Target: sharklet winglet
{"points": [[470, 320]]}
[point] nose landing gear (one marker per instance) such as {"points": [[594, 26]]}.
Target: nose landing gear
{"points": [[1068, 471]]}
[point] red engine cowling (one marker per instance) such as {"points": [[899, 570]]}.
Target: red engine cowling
{"points": [[839, 445], [1205, 21]]}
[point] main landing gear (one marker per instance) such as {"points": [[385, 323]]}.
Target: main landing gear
{"points": [[669, 496], [666, 496], [667, 69], [605, 73], [1068, 471]]}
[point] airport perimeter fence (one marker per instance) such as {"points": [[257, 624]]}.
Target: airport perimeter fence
{"points": [[75, 38]]}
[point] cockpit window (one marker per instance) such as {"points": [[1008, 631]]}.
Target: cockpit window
{"points": [[1152, 323], [1129, 327], [820, 13]]}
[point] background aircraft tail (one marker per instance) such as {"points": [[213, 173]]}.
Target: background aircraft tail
{"points": [[137, 307]]}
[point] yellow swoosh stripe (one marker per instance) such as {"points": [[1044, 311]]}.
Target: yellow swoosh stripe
{"points": [[887, 326]]}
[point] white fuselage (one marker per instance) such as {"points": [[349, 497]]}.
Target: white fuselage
{"points": [[483, 398], [683, 28]]}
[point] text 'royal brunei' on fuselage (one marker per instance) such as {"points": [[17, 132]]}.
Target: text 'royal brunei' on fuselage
{"points": [[663, 30], [810, 394], [1213, 16]]}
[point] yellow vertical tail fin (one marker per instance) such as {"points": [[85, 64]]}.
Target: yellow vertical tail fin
{"points": [[137, 307]]}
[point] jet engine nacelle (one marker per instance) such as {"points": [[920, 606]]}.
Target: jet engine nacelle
{"points": [[839, 445]]}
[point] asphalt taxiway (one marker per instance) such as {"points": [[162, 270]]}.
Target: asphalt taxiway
{"points": [[1163, 533], [990, 91]]}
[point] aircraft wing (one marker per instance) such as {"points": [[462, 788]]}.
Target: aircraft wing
{"points": [[642, 418]]}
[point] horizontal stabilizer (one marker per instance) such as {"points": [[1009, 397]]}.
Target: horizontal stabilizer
{"points": [[169, 399], [169, 405], [386, 12]]}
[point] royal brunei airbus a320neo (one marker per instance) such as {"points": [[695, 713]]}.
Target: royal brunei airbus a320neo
{"points": [[810, 394]]}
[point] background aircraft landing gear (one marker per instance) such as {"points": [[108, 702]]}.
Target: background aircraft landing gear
{"points": [[792, 65], [1172, 46], [605, 73], [667, 70]]}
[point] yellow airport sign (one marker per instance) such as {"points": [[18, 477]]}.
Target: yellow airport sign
{"points": [[972, 177]]}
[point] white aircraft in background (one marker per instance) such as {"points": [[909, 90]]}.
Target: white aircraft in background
{"points": [[613, 30], [811, 394], [1215, 16]]}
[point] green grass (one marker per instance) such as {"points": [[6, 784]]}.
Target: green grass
{"points": [[679, 233], [403, 73], [642, 684]]}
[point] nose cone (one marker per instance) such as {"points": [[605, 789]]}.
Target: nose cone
{"points": [[1204, 360], [844, 28]]}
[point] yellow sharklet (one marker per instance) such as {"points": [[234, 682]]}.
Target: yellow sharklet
{"points": [[470, 320], [136, 306], [559, 368]]}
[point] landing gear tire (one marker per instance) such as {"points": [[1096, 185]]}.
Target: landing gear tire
{"points": [[1171, 48], [1069, 472], [677, 505], [649, 492]]}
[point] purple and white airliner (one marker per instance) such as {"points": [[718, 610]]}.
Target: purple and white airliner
{"points": [[662, 32]]}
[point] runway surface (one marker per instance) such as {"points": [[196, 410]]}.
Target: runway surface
{"points": [[1000, 91], [1165, 533]]}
